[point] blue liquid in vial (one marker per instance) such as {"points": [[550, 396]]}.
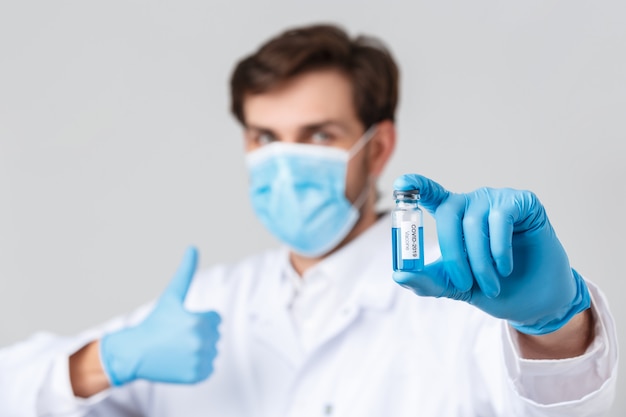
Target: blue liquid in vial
{"points": [[400, 264]]}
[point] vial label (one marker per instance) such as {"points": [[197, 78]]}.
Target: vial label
{"points": [[408, 247], [410, 242]]}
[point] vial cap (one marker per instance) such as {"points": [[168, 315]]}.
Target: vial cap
{"points": [[410, 194]]}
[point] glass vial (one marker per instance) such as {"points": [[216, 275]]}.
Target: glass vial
{"points": [[407, 231]]}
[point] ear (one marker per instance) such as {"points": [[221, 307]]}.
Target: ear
{"points": [[381, 147]]}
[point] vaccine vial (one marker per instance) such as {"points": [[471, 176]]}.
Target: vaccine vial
{"points": [[407, 231]]}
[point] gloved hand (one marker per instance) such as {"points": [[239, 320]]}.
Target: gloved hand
{"points": [[498, 253], [171, 345]]}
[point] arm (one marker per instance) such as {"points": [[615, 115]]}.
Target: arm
{"points": [[583, 384], [501, 255], [34, 377], [51, 375]]}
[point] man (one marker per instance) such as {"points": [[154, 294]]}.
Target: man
{"points": [[502, 324]]}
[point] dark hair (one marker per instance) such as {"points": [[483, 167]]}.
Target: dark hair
{"points": [[366, 62]]}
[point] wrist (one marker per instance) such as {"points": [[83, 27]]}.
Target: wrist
{"points": [[569, 341], [87, 375], [116, 357], [558, 319]]}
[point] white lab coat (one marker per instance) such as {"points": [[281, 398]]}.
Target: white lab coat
{"points": [[384, 352]]}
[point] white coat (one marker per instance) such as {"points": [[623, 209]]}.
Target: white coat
{"points": [[383, 351]]}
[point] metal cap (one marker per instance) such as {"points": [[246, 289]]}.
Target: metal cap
{"points": [[410, 194]]}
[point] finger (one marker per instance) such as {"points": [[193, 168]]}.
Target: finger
{"points": [[511, 211], [501, 232], [527, 212], [449, 220], [212, 318], [207, 326], [179, 285], [432, 281], [431, 193], [429, 282], [477, 243]]}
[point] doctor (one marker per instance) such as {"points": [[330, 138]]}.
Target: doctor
{"points": [[501, 325]]}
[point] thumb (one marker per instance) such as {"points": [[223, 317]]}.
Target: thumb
{"points": [[431, 193], [179, 285], [432, 281]]}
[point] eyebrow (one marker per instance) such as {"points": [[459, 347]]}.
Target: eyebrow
{"points": [[306, 128]]}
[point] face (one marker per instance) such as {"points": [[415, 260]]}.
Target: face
{"points": [[317, 108]]}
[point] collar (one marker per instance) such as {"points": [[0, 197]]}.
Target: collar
{"points": [[361, 270]]}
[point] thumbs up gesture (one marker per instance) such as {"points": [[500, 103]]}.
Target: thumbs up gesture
{"points": [[171, 345]]}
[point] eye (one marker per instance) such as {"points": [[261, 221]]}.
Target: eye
{"points": [[263, 138], [320, 137]]}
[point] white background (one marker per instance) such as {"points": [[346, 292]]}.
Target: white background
{"points": [[117, 148]]}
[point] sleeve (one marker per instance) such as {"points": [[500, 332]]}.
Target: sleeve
{"points": [[34, 376], [579, 386]]}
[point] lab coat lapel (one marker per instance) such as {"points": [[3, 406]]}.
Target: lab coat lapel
{"points": [[363, 269], [270, 321], [374, 292]]}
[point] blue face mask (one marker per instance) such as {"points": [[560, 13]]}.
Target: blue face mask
{"points": [[299, 193]]}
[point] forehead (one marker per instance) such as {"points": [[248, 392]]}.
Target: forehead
{"points": [[306, 99]]}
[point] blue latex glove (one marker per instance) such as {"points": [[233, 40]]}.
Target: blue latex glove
{"points": [[498, 253], [171, 345]]}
